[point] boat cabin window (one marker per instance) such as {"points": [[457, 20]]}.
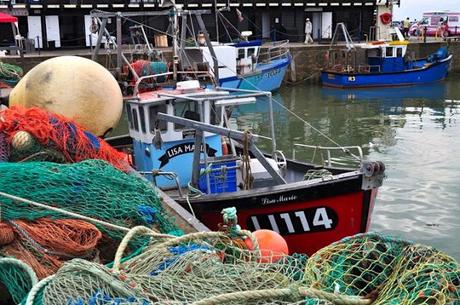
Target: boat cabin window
{"points": [[374, 53], [215, 117], [241, 53], [135, 120], [130, 116], [188, 110], [142, 117], [251, 51], [389, 52], [399, 52], [154, 124]]}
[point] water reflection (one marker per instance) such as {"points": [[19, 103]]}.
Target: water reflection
{"points": [[414, 130]]}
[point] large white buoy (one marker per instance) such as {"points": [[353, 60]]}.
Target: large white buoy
{"points": [[75, 87]]}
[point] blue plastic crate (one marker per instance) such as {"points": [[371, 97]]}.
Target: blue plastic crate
{"points": [[222, 180]]}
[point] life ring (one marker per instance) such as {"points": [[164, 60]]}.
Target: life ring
{"points": [[386, 18]]}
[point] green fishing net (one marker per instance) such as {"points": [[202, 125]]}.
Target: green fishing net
{"points": [[385, 270], [91, 188], [17, 279], [211, 268]]}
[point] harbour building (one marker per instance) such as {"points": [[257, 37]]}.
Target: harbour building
{"points": [[52, 24]]}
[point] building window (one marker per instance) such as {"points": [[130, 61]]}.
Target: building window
{"points": [[154, 123]]}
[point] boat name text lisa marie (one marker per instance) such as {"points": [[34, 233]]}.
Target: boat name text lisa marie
{"points": [[281, 198]]}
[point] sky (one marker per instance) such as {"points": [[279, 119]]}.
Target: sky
{"points": [[415, 8]]}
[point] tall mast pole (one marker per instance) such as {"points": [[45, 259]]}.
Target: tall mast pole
{"points": [[216, 16], [174, 29]]}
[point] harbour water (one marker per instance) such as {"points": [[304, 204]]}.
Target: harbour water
{"points": [[415, 131]]}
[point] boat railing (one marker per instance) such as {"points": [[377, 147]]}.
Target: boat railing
{"points": [[278, 49], [168, 175], [368, 68], [155, 76], [326, 154]]}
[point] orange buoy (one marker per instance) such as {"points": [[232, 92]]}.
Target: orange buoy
{"points": [[272, 245]]}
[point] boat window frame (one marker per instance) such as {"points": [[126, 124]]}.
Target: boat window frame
{"points": [[179, 127], [241, 53], [389, 50], [130, 115], [252, 49], [399, 52], [142, 119], [162, 125], [135, 119]]}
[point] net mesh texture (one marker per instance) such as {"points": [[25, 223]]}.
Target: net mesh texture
{"points": [[210, 268]]}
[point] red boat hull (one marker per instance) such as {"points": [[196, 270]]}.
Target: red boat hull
{"points": [[309, 218]]}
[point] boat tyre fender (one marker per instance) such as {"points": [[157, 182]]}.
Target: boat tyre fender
{"points": [[385, 18], [224, 146], [326, 56]]}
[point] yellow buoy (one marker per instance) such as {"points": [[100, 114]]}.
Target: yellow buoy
{"points": [[75, 87]]}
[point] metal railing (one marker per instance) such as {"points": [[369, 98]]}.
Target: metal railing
{"points": [[278, 49], [166, 74], [368, 68], [325, 153]]}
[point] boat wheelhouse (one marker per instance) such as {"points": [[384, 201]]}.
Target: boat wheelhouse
{"points": [[310, 205]]}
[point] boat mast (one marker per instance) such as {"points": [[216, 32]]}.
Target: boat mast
{"points": [[174, 37], [216, 16]]}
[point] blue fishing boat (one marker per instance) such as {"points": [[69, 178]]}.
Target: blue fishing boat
{"points": [[258, 70], [243, 65], [387, 66]]}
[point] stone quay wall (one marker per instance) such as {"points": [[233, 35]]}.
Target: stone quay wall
{"points": [[307, 60]]}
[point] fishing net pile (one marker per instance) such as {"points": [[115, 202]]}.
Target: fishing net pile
{"points": [[35, 134], [10, 74], [17, 278], [73, 197], [212, 268], [43, 238]]}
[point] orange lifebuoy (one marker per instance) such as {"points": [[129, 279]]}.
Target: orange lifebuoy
{"points": [[386, 18]]}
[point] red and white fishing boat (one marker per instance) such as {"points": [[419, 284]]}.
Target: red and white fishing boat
{"points": [[310, 205]]}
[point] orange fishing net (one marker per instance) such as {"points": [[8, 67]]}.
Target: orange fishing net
{"points": [[45, 244], [61, 134]]}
